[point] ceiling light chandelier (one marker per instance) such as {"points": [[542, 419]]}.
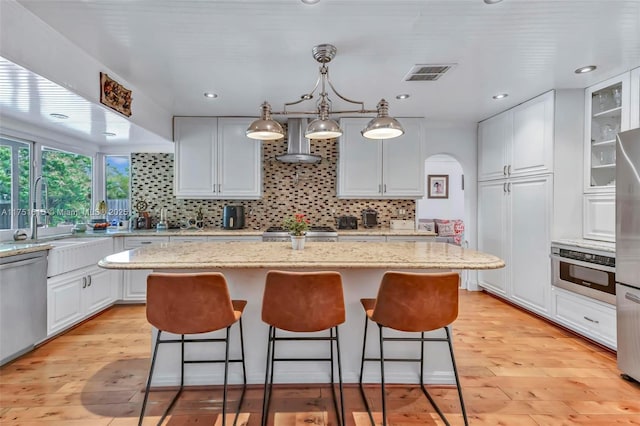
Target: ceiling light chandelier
{"points": [[381, 127]]}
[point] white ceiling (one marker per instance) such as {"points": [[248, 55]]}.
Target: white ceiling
{"points": [[247, 51]]}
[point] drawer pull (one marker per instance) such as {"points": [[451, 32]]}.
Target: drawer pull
{"points": [[592, 320], [145, 242], [632, 297], [84, 282]]}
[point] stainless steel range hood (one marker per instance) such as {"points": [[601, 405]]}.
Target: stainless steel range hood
{"points": [[298, 147]]}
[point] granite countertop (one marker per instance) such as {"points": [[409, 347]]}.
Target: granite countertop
{"points": [[237, 255], [589, 244], [11, 249]]}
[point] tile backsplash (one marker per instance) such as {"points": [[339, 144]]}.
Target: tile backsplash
{"points": [[288, 189]]}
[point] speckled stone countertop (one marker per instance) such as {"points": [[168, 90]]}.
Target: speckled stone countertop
{"points": [[204, 232], [239, 255], [10, 249], [589, 244]]}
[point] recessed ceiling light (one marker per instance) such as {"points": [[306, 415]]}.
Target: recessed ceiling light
{"points": [[210, 95], [310, 1], [403, 96], [60, 116], [583, 70], [492, 1], [108, 133], [500, 96]]}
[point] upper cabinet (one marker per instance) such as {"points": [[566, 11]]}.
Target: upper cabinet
{"points": [[634, 120], [519, 141], [606, 114], [380, 169], [215, 160]]}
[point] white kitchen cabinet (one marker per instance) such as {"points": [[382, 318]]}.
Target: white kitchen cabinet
{"points": [[383, 169], [599, 218], [589, 317], [606, 114], [494, 136], [74, 296], [492, 233], [519, 141], [135, 281], [634, 98], [514, 223], [215, 160]]}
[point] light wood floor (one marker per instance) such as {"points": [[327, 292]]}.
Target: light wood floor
{"points": [[515, 370]]}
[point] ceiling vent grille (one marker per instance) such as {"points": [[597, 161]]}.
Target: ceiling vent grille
{"points": [[423, 72]]}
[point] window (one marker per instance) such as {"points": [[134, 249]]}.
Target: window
{"points": [[14, 183], [116, 171], [66, 186]]}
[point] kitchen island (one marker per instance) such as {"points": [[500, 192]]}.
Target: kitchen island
{"points": [[245, 265]]}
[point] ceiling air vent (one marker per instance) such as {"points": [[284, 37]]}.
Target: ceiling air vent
{"points": [[423, 72]]}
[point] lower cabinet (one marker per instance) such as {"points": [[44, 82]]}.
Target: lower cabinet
{"points": [[591, 318], [74, 296], [134, 284]]}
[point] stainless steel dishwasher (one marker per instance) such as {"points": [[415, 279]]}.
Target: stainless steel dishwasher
{"points": [[23, 303]]}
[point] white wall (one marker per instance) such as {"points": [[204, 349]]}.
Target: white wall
{"points": [[442, 208], [459, 140]]}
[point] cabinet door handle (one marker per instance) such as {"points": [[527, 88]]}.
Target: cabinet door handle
{"points": [[89, 279], [380, 188], [509, 170], [509, 187], [84, 282], [591, 320], [385, 187], [504, 170], [219, 187], [504, 187]]}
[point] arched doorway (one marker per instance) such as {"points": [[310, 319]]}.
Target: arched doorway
{"points": [[444, 203]]}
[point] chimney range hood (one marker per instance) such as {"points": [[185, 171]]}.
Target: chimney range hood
{"points": [[298, 147]]}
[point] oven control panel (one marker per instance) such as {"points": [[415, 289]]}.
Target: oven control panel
{"points": [[585, 257]]}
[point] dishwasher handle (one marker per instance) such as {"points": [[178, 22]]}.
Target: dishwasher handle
{"points": [[21, 263]]}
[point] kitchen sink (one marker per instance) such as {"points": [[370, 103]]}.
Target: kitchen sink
{"points": [[75, 253]]}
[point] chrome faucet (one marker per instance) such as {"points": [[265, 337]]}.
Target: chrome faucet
{"points": [[35, 212]]}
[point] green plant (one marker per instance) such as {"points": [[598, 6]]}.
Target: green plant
{"points": [[297, 224]]}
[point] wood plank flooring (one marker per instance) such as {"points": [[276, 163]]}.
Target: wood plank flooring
{"points": [[515, 369]]}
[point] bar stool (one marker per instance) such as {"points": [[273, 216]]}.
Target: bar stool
{"points": [[413, 302], [303, 302], [193, 303]]}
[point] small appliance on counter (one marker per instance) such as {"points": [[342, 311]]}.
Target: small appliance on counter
{"points": [[369, 218], [347, 222], [162, 224], [233, 217]]}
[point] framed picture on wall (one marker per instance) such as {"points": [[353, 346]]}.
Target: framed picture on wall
{"points": [[438, 186]]}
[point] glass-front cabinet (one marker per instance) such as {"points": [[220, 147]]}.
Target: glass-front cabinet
{"points": [[607, 110]]}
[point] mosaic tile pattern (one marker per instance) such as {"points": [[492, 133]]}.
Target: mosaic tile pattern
{"points": [[288, 189]]}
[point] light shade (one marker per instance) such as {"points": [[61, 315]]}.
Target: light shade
{"points": [[264, 128], [383, 126], [323, 129]]}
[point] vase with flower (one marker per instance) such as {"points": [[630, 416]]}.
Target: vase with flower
{"points": [[297, 225]]}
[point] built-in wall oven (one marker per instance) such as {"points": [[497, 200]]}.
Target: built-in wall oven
{"points": [[585, 271]]}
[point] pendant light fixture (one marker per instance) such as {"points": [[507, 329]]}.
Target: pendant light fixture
{"points": [[323, 127]]}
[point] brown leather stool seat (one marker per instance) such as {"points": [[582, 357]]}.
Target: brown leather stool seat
{"points": [[193, 303], [413, 302], [303, 302]]}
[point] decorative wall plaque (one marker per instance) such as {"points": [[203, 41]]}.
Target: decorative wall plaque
{"points": [[114, 95]]}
